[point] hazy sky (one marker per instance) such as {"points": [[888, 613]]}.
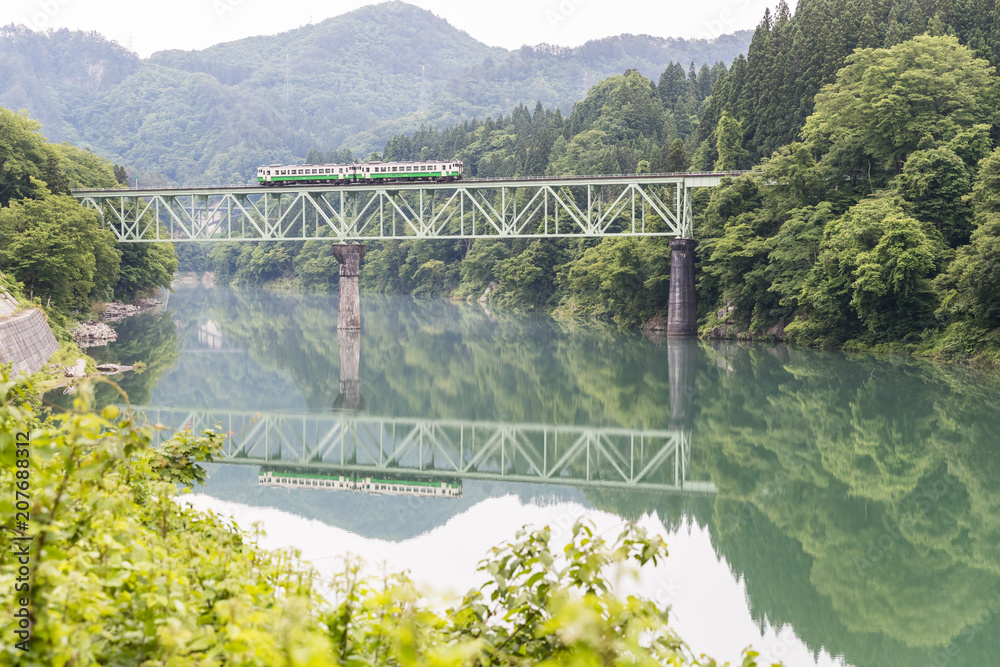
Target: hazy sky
{"points": [[193, 24]]}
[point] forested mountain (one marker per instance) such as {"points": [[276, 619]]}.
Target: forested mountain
{"points": [[791, 58], [870, 217], [347, 82], [52, 75]]}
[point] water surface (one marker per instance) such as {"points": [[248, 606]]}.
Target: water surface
{"points": [[827, 508]]}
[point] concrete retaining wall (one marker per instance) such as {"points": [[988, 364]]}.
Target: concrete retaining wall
{"points": [[26, 340], [8, 304]]}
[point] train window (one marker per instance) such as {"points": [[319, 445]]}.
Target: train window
{"points": [[394, 169]]}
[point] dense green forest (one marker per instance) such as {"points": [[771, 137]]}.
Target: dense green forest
{"points": [[214, 115], [869, 217], [56, 249]]}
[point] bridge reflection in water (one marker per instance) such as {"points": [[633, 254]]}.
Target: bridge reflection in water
{"points": [[359, 446]]}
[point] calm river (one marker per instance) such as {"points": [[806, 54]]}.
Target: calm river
{"points": [[826, 508]]}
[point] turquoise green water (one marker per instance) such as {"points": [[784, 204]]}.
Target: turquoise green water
{"points": [[857, 498]]}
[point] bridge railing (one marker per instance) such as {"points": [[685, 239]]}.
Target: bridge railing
{"points": [[621, 205], [449, 449]]}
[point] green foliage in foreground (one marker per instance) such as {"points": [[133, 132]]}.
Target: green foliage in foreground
{"points": [[122, 574]]}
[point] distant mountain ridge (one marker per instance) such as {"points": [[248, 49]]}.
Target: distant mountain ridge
{"points": [[353, 81]]}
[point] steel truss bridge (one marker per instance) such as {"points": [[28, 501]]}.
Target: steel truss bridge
{"points": [[448, 449], [637, 205]]}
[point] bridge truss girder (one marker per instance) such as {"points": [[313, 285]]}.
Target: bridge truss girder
{"points": [[639, 206], [365, 445]]}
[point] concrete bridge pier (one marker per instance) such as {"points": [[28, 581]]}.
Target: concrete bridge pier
{"points": [[349, 399], [682, 310], [349, 257]]}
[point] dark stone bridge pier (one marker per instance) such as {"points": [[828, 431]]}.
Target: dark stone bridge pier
{"points": [[682, 310], [349, 256]]}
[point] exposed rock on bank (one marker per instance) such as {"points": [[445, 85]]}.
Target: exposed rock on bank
{"points": [[113, 369], [492, 287], [77, 370], [731, 331], [655, 329], [91, 334], [118, 311]]}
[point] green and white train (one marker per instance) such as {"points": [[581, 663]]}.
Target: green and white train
{"points": [[369, 173], [387, 484]]}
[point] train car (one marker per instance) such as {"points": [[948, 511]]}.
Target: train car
{"points": [[303, 174], [368, 173], [389, 483]]}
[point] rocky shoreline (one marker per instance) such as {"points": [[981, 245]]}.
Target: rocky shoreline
{"points": [[93, 333]]}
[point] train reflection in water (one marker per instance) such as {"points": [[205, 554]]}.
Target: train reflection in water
{"points": [[404, 486]]}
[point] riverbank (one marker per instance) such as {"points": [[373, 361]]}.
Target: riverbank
{"points": [[961, 342]]}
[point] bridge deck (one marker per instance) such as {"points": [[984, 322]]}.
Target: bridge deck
{"points": [[566, 206]]}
